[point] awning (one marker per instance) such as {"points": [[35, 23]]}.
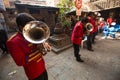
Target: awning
{"points": [[104, 5]]}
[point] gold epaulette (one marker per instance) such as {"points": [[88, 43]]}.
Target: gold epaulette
{"points": [[12, 36]]}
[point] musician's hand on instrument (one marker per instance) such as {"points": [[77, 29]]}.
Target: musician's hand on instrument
{"points": [[41, 48], [44, 48], [47, 46]]}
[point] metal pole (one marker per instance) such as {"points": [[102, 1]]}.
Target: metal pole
{"points": [[78, 18]]}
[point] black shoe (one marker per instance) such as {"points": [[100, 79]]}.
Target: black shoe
{"points": [[79, 60], [90, 49], [77, 55], [3, 52]]}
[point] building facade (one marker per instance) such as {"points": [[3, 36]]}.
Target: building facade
{"points": [[41, 13], [105, 7], [34, 2], [10, 13], [98, 5]]}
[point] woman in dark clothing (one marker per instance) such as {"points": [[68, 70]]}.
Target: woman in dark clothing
{"points": [[3, 39]]}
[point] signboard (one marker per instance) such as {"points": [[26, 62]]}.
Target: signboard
{"points": [[78, 5], [2, 7]]}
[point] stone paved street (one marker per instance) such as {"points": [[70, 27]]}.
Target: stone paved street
{"points": [[102, 64]]}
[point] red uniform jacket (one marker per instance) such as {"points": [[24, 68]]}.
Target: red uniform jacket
{"points": [[109, 21], [102, 24], [92, 21], [77, 33], [24, 54]]}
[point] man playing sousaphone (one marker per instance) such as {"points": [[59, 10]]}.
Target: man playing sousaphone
{"points": [[28, 54], [91, 36], [81, 29]]}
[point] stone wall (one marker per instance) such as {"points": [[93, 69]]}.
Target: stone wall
{"points": [[42, 14], [9, 17]]}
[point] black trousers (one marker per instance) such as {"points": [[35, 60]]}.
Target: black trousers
{"points": [[3, 39], [76, 50], [3, 46], [44, 76], [93, 36], [89, 41]]}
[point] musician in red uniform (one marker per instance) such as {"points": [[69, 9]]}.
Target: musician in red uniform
{"points": [[77, 36], [110, 20], [27, 54], [90, 37]]}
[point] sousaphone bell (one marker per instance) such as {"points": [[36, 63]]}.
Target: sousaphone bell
{"points": [[36, 32], [89, 28]]}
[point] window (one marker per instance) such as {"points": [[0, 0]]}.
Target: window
{"points": [[34, 11]]}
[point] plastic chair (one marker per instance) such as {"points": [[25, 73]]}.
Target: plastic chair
{"points": [[83, 41]]}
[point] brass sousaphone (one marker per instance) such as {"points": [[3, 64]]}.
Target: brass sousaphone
{"points": [[36, 32], [89, 28]]}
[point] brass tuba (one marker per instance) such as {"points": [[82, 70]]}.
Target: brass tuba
{"points": [[89, 28], [36, 32]]}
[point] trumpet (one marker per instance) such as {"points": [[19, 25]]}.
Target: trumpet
{"points": [[36, 32], [89, 28]]}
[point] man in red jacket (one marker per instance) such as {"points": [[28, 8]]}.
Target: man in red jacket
{"points": [[77, 36], [91, 36], [110, 20], [25, 53]]}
